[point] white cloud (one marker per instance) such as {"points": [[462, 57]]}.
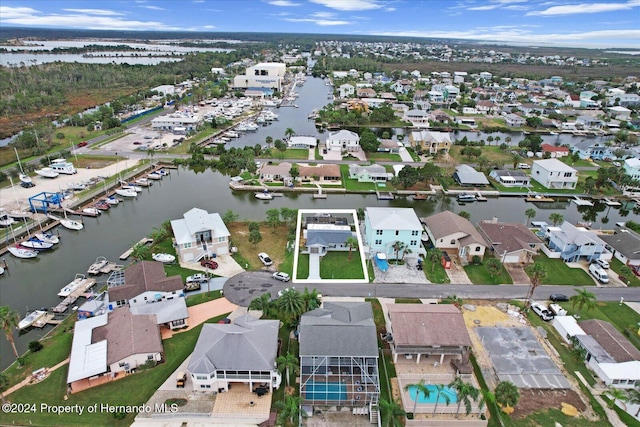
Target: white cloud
{"points": [[497, 4], [324, 15], [390, 9], [283, 3], [154, 7], [573, 9], [320, 22], [349, 5], [101, 12]]}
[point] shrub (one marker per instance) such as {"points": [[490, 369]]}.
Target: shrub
{"points": [[35, 346], [476, 260]]}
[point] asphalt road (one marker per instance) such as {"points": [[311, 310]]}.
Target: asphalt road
{"points": [[242, 288]]}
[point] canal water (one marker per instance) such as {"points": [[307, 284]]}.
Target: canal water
{"points": [[31, 284]]}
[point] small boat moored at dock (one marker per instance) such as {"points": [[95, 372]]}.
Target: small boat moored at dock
{"points": [[264, 195], [126, 192], [31, 318], [79, 282], [22, 252], [67, 223], [94, 269], [466, 198], [154, 175], [36, 244]]}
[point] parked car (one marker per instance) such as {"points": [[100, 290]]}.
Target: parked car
{"points": [[137, 143], [524, 166], [209, 263], [282, 276], [192, 286], [181, 379], [558, 297], [617, 164], [266, 260], [542, 311], [197, 278], [82, 144], [602, 263]]}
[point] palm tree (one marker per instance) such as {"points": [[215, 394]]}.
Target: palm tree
{"points": [[398, 246], [530, 213], [440, 393], [390, 410], [286, 363], [537, 274], [269, 141], [420, 389], [262, 303], [465, 391], [9, 320], [633, 397], [583, 298], [288, 133], [140, 251], [290, 304], [311, 299], [507, 394], [405, 252], [556, 218], [464, 214], [616, 394], [289, 410], [434, 255], [352, 243]]}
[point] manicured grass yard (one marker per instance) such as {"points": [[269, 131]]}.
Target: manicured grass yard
{"points": [[388, 157], [558, 273], [479, 275], [303, 266], [632, 279], [337, 265], [434, 273], [353, 184], [295, 153]]}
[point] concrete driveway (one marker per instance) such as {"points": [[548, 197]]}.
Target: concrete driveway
{"points": [[517, 273], [456, 273], [406, 273]]}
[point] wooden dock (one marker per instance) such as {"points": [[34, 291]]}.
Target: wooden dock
{"points": [[539, 198], [143, 241], [384, 195]]}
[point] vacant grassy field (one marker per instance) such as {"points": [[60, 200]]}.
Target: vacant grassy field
{"points": [[274, 243], [389, 157], [490, 152], [558, 273]]}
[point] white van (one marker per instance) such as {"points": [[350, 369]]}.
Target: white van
{"points": [[524, 166], [599, 273]]}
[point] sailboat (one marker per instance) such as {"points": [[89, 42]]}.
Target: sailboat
{"points": [[24, 178], [5, 219], [34, 242], [17, 213], [20, 251], [70, 224]]}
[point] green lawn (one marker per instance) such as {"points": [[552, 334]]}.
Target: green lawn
{"points": [[303, 266], [133, 390], [558, 273], [296, 154], [632, 279], [434, 273], [389, 157], [479, 275], [337, 265], [353, 184]]}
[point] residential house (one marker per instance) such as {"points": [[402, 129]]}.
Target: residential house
{"points": [[146, 284], [385, 227], [275, 172], [440, 116], [588, 122], [339, 356], [610, 354], [436, 97], [343, 140], [199, 234], [346, 90], [624, 244], [402, 86], [485, 107], [572, 101], [632, 167], [575, 243], [514, 120], [555, 152], [111, 344], [302, 142], [455, 235], [486, 75], [466, 121], [432, 142], [510, 178], [429, 330], [371, 173], [467, 176], [510, 242], [365, 92], [320, 173], [620, 113], [319, 238], [418, 118], [589, 150], [242, 352], [554, 174]]}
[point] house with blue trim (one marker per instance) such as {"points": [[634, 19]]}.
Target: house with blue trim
{"points": [[383, 227], [577, 243], [591, 150]]}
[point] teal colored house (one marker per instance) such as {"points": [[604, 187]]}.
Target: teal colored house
{"points": [[383, 227]]}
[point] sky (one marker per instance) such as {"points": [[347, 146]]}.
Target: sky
{"points": [[572, 23]]}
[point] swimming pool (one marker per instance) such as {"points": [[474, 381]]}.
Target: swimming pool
{"points": [[326, 391], [413, 390]]}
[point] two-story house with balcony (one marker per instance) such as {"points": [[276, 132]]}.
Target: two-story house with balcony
{"points": [[343, 140], [554, 174], [432, 142], [385, 227], [575, 243], [199, 234]]}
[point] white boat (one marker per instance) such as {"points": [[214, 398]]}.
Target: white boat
{"points": [[143, 182], [269, 115], [112, 201], [163, 258], [63, 166], [67, 223], [464, 197], [79, 281], [265, 195], [5, 219], [31, 318], [47, 237], [154, 175], [19, 214], [251, 126], [126, 192], [92, 211], [20, 252], [36, 244], [47, 173], [136, 188], [95, 268], [232, 134], [1, 271], [26, 180], [163, 172]]}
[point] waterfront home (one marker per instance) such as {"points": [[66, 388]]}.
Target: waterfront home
{"points": [[576, 243], [199, 234], [276, 172], [632, 168], [242, 352], [619, 113], [467, 176], [555, 152], [266, 74], [554, 174], [510, 178], [179, 121], [455, 235], [417, 118], [485, 107], [624, 244], [609, 354], [432, 142], [365, 92], [513, 120], [385, 228], [339, 356], [320, 173], [112, 343], [343, 141], [440, 116], [346, 90], [510, 242], [592, 150], [371, 173], [588, 122], [302, 142], [321, 237]]}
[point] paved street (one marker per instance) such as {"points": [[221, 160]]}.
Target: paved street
{"points": [[244, 287]]}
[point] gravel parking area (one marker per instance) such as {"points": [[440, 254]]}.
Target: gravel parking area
{"points": [[406, 273]]}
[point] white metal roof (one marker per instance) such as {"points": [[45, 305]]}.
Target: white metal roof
{"points": [[625, 370], [87, 359]]}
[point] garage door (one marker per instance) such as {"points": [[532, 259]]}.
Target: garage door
{"points": [[511, 259]]}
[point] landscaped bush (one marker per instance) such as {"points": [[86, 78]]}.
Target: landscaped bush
{"points": [[35, 346]]}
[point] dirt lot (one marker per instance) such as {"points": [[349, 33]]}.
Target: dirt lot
{"points": [[534, 400], [273, 243]]}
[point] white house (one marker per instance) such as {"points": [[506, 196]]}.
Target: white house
{"points": [[242, 352], [343, 140], [175, 121], [632, 167], [346, 90], [266, 74], [306, 142], [371, 173], [554, 174], [199, 234], [514, 120], [164, 90], [418, 118]]}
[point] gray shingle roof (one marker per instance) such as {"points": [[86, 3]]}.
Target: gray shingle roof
{"points": [[466, 175], [611, 340], [446, 223], [249, 344], [626, 241], [509, 237], [145, 276], [339, 329]]}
